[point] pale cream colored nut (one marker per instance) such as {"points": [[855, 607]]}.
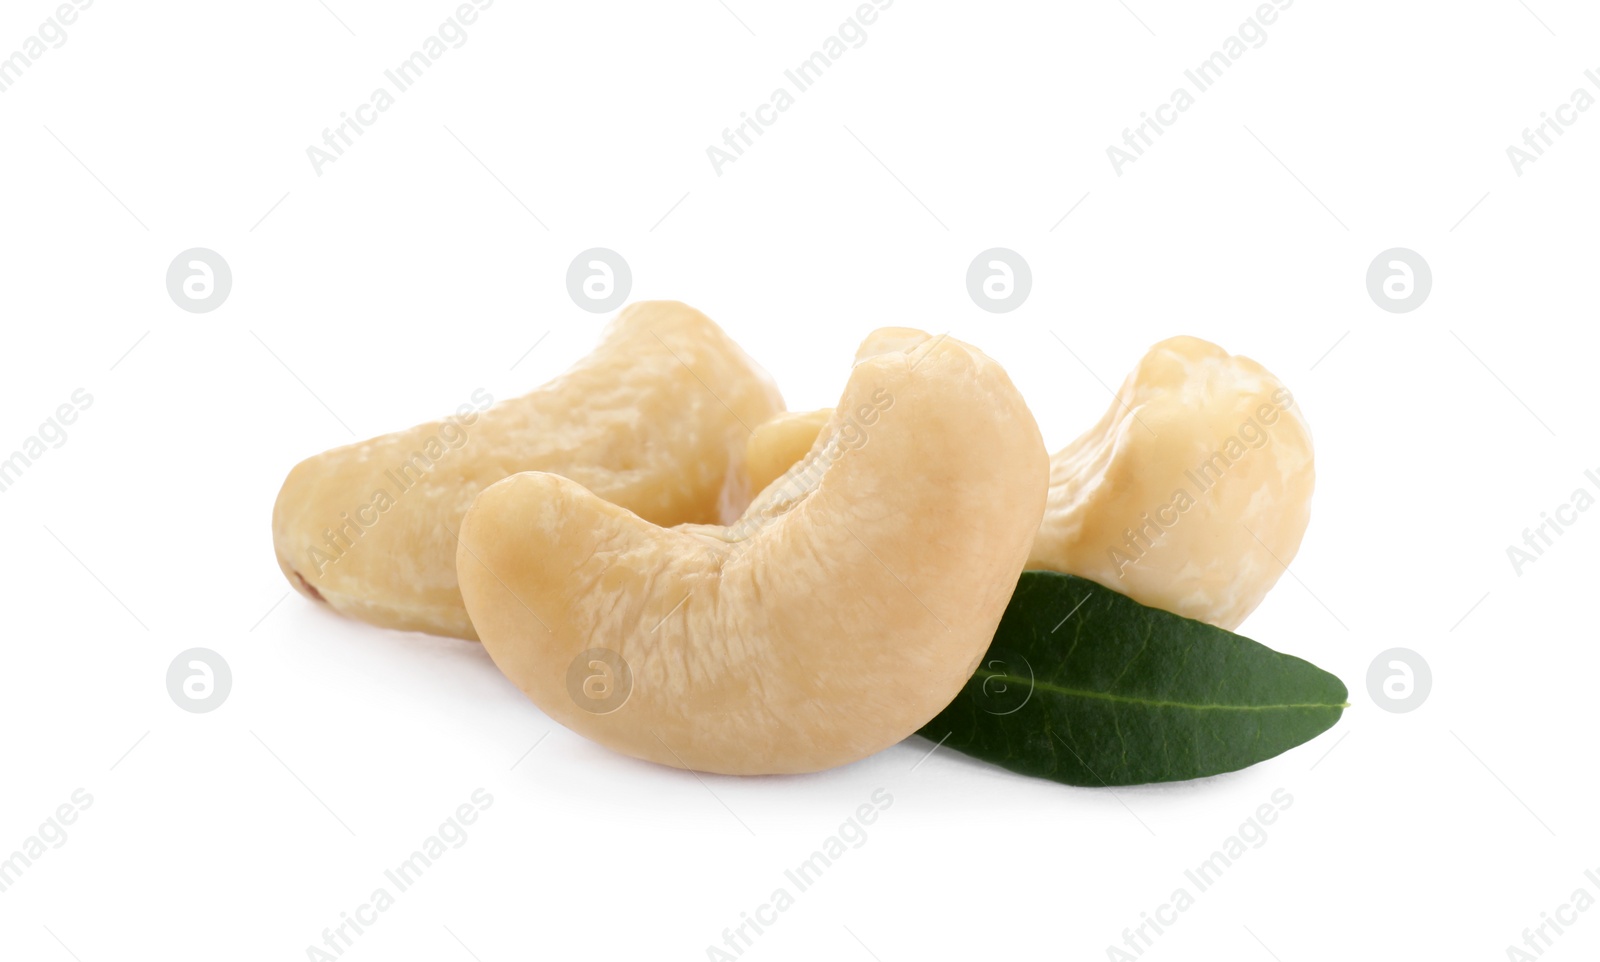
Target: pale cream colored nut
{"points": [[1193, 491], [844, 610], [778, 444], [655, 420]]}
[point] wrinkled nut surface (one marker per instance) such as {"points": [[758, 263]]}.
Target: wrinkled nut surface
{"points": [[653, 419], [843, 610], [1193, 491]]}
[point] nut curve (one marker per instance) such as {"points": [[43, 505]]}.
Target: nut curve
{"points": [[655, 418], [844, 610]]}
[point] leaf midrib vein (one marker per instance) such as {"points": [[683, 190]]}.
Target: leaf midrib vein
{"points": [[1153, 703]]}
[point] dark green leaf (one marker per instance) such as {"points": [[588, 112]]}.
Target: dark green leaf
{"points": [[1086, 686]]}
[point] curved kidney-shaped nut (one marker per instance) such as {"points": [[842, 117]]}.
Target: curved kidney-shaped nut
{"points": [[844, 610], [653, 419], [1192, 493]]}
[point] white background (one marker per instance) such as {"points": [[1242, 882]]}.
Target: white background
{"points": [[414, 270]]}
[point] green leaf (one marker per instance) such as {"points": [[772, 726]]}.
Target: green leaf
{"points": [[1088, 687]]}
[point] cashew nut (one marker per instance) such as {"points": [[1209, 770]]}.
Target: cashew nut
{"points": [[653, 420], [845, 608], [1190, 495], [1193, 491]]}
